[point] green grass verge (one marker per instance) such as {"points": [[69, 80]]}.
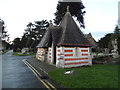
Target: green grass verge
{"points": [[96, 76], [116, 58], [19, 54], [4, 52]]}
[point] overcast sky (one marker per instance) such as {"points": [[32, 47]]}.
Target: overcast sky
{"points": [[100, 18]]}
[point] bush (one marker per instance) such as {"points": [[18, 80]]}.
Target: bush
{"points": [[102, 59]]}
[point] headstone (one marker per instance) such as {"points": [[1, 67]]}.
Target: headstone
{"points": [[106, 50], [115, 49], [25, 50]]}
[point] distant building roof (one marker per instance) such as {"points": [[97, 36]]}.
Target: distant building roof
{"points": [[90, 38]]}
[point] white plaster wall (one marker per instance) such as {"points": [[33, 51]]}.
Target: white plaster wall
{"points": [[73, 57], [59, 57], [50, 55], [40, 54]]}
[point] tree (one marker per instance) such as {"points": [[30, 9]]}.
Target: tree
{"points": [[76, 9], [116, 32], [41, 27], [24, 40], [29, 34], [34, 33], [116, 35], [39, 31], [17, 45], [4, 37], [104, 42]]}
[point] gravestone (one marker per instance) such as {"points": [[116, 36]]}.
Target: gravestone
{"points": [[115, 48], [25, 50], [106, 50]]}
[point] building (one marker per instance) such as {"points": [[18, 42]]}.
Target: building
{"points": [[65, 45], [91, 40]]}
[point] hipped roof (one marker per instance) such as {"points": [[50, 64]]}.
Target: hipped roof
{"points": [[46, 40], [66, 34], [52, 35], [71, 35]]}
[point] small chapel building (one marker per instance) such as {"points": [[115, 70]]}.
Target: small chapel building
{"points": [[65, 45]]}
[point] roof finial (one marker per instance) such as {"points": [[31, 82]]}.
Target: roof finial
{"points": [[68, 8]]}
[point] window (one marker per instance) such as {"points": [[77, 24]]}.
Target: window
{"points": [[76, 51]]}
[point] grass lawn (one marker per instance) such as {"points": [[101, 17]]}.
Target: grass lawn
{"points": [[19, 54], [96, 76], [4, 52]]}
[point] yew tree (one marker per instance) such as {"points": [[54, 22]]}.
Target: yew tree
{"points": [[76, 10]]}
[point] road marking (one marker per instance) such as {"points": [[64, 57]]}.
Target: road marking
{"points": [[51, 85], [43, 71], [37, 73], [33, 69]]}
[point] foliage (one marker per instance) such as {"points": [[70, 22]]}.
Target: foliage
{"points": [[5, 51], [29, 42], [19, 54], [97, 76], [32, 36], [4, 37], [35, 43], [104, 42], [24, 40], [34, 33], [76, 9], [17, 45], [117, 36], [106, 59]]}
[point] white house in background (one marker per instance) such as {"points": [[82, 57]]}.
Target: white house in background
{"points": [[65, 45]]}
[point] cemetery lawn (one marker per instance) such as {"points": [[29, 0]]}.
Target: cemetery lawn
{"points": [[19, 54], [96, 76], [4, 51]]}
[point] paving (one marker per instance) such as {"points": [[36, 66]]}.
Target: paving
{"points": [[15, 74], [43, 68], [41, 65]]}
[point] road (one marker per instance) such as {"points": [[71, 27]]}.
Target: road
{"points": [[16, 74]]}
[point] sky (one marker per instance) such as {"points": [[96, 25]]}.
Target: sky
{"points": [[100, 18]]}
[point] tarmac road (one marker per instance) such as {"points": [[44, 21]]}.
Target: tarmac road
{"points": [[15, 74]]}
